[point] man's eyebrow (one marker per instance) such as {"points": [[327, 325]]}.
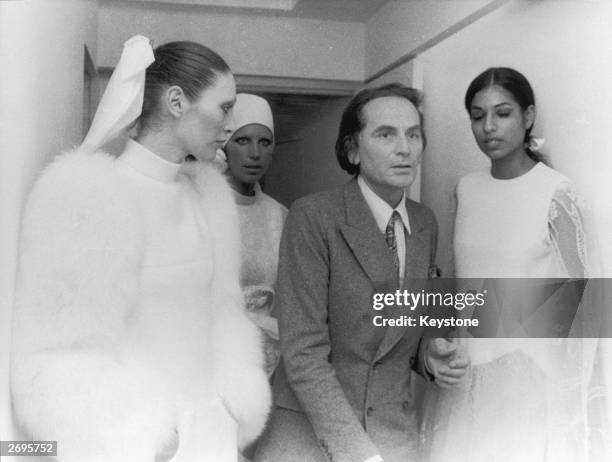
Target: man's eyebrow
{"points": [[394, 128], [384, 127]]}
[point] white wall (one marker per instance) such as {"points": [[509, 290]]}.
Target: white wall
{"points": [[400, 26], [41, 100], [564, 48], [254, 44]]}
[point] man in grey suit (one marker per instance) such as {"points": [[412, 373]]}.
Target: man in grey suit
{"points": [[345, 390]]}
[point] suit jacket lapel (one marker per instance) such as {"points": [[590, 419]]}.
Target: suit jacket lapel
{"points": [[365, 239], [418, 246]]}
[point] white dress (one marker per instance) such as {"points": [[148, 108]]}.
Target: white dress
{"points": [[524, 399], [261, 223], [176, 286]]}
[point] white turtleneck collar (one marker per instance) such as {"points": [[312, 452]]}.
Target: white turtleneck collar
{"points": [[148, 163]]}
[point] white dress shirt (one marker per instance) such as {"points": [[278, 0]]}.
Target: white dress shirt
{"points": [[382, 212]]}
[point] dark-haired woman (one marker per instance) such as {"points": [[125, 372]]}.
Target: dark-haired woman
{"points": [[525, 399], [130, 338], [522, 218]]}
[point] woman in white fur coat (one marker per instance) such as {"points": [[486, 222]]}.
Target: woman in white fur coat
{"points": [[130, 341]]}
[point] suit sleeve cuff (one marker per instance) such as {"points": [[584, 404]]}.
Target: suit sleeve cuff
{"points": [[421, 366]]}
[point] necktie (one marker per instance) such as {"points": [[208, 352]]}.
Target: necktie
{"points": [[390, 238]]}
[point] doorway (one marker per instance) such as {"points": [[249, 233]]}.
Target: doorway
{"points": [[304, 161]]}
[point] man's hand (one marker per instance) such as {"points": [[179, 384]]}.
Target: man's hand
{"points": [[447, 361]]}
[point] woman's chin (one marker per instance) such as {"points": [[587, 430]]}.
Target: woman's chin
{"points": [[206, 156]]}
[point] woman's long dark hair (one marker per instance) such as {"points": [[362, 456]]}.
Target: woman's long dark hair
{"points": [[517, 85]]}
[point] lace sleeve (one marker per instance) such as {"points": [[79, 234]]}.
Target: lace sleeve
{"points": [[566, 228], [449, 269]]}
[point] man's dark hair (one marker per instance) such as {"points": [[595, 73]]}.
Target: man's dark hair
{"points": [[352, 118]]}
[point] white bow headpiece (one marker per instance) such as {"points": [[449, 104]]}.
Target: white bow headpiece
{"points": [[121, 103]]}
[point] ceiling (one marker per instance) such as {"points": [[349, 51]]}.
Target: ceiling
{"points": [[262, 4], [335, 10]]}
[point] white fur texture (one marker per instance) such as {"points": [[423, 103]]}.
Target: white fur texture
{"points": [[239, 361], [73, 376]]}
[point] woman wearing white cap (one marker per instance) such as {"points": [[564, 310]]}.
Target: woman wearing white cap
{"points": [[130, 338], [249, 153]]}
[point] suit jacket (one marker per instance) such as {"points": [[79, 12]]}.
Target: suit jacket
{"points": [[351, 379]]}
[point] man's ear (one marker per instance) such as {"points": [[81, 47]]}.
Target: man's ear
{"points": [[530, 115], [350, 147], [175, 101]]}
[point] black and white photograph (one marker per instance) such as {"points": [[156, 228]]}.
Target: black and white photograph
{"points": [[306, 230]]}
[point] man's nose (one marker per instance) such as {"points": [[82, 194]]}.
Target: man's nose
{"points": [[404, 146]]}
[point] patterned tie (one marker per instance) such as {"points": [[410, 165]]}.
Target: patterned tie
{"points": [[390, 238]]}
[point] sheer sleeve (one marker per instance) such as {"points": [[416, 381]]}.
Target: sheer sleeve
{"points": [[566, 231], [449, 269]]}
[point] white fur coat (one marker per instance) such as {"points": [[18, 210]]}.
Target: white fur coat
{"points": [[74, 378]]}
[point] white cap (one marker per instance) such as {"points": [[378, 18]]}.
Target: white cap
{"points": [[121, 103], [252, 109]]}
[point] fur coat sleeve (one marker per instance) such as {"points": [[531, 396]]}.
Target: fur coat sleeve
{"points": [[73, 379]]}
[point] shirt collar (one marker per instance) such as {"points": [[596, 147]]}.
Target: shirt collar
{"points": [[381, 210]]}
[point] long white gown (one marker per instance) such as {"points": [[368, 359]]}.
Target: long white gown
{"points": [[524, 399]]}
